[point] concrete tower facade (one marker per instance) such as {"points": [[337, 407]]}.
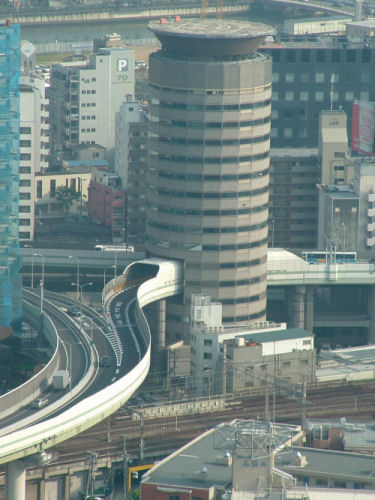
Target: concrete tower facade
{"points": [[209, 126]]}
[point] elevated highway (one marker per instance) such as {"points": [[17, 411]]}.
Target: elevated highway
{"points": [[123, 299]]}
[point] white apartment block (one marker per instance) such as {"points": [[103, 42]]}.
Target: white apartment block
{"points": [[34, 148], [85, 97], [208, 335]]}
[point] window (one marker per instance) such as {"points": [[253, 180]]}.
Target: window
{"points": [[174, 497], [350, 56], [275, 96], [274, 132], [207, 355], [24, 222], [24, 235], [290, 55], [319, 96], [24, 209], [322, 482], [289, 96], [364, 96], [207, 342], [306, 342], [365, 77], [286, 364], [39, 189], [274, 114], [52, 187], [93, 79], [25, 170], [320, 56], [289, 77], [25, 130], [25, 196], [288, 132], [340, 484], [25, 183], [305, 78], [25, 156], [305, 56], [319, 77], [349, 96], [25, 144], [304, 96]]}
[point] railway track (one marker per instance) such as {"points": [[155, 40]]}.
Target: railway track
{"points": [[164, 435]]}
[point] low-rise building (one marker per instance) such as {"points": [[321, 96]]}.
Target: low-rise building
{"points": [[106, 203], [229, 358], [255, 460]]}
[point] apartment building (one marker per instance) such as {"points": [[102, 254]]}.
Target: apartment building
{"points": [[131, 166], [85, 97], [34, 148]]}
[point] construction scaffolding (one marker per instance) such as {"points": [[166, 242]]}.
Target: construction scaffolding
{"points": [[10, 258]]}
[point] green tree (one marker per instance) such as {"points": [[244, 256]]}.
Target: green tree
{"points": [[67, 195]]}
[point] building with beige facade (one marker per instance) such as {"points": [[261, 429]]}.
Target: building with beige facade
{"points": [[209, 126]]}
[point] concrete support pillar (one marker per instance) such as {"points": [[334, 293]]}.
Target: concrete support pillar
{"points": [[309, 316], [298, 307], [15, 481], [158, 330], [371, 313]]}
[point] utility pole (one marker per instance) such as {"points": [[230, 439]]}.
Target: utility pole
{"points": [[142, 443], [267, 402], [108, 429], [125, 466]]}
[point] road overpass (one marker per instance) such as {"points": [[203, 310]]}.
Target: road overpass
{"points": [[142, 283]]}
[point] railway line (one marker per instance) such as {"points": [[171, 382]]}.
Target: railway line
{"points": [[162, 436]]}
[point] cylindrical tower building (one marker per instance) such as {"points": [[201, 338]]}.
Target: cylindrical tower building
{"points": [[209, 119]]}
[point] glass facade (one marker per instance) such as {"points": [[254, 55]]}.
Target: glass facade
{"points": [[10, 259]]}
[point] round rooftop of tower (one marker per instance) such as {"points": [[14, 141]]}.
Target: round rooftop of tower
{"points": [[210, 37]]}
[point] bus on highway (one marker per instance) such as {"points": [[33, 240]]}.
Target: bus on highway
{"points": [[316, 257]]}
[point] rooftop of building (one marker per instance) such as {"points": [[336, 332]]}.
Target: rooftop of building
{"points": [[184, 467], [69, 170], [212, 28], [339, 191], [277, 335], [326, 463], [321, 41], [359, 354], [210, 37], [358, 434]]}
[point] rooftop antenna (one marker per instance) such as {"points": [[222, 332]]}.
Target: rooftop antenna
{"points": [[331, 93]]}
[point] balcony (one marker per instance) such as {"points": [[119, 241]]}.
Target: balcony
{"points": [[371, 212], [370, 227], [371, 198]]}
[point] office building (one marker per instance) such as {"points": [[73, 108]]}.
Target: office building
{"points": [[10, 260], [85, 97], [293, 205], [209, 126], [347, 212], [310, 73], [131, 166], [34, 148]]}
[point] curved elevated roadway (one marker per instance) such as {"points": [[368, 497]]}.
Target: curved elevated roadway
{"points": [[143, 282]]}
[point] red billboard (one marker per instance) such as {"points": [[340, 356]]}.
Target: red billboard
{"points": [[363, 127]]}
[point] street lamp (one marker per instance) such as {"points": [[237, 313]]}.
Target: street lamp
{"points": [[81, 287], [77, 259], [107, 269], [32, 265], [69, 361], [41, 282]]}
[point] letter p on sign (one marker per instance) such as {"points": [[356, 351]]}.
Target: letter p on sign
{"points": [[122, 65]]}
